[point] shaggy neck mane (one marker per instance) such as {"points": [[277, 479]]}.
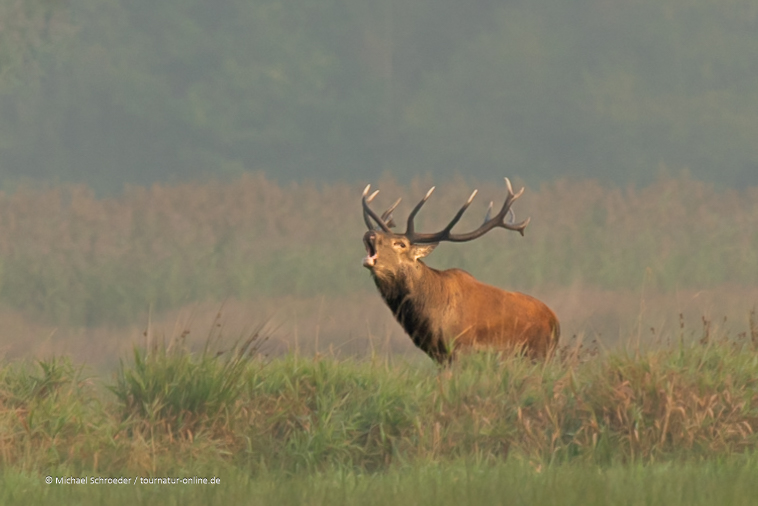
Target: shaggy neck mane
{"points": [[414, 313]]}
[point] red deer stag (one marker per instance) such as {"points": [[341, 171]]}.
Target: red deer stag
{"points": [[447, 311]]}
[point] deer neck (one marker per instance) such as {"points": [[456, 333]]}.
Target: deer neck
{"points": [[412, 282], [415, 295]]}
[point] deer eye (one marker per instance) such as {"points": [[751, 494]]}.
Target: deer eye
{"points": [[400, 244]]}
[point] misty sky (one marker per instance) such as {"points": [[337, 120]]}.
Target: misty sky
{"points": [[113, 93]]}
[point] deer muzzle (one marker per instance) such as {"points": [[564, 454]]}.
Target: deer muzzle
{"points": [[369, 241]]}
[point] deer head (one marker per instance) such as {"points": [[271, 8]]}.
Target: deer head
{"points": [[389, 253]]}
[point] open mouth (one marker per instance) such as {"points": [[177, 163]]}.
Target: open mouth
{"points": [[370, 260]]}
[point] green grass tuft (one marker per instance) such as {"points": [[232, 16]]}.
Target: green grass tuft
{"points": [[174, 389]]}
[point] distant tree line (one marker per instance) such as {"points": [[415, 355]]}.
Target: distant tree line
{"points": [[110, 92]]}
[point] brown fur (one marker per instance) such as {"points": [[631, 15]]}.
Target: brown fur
{"points": [[448, 311]]}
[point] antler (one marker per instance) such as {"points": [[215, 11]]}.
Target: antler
{"points": [[489, 223], [387, 215], [384, 221]]}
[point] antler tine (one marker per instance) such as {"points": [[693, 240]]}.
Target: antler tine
{"points": [[460, 212], [489, 212], [506, 210], [371, 197], [445, 232], [409, 229], [510, 189], [367, 211], [387, 215], [365, 215], [499, 220]]}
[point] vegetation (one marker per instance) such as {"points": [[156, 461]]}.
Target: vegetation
{"points": [[113, 92], [171, 407], [681, 419], [462, 483], [27, 32], [67, 257]]}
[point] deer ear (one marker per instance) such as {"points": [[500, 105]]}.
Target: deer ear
{"points": [[421, 250]]}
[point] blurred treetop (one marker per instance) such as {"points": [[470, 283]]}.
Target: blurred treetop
{"points": [[110, 92]]}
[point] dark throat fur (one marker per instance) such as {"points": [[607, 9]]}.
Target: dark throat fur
{"points": [[410, 314]]}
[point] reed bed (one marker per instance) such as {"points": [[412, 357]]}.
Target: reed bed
{"points": [[68, 257]]}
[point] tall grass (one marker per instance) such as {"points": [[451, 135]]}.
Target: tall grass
{"points": [[68, 257], [173, 390], [171, 409]]}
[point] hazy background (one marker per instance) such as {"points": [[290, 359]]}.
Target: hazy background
{"points": [[109, 92], [158, 158]]}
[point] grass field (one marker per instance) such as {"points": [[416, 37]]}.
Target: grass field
{"points": [[730, 483], [673, 424]]}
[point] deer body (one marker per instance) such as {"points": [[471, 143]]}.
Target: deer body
{"points": [[448, 311]]}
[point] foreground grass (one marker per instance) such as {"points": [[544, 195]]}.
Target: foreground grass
{"points": [[725, 483], [667, 421]]}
